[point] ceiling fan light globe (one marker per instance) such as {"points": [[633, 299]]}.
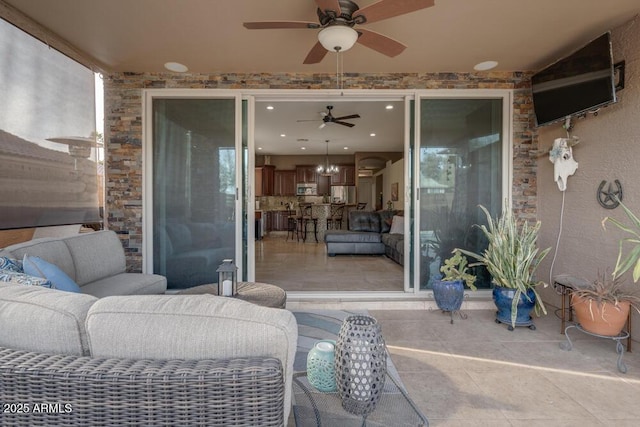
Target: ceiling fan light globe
{"points": [[337, 38]]}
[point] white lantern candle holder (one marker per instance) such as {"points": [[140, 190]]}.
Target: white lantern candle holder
{"points": [[227, 278]]}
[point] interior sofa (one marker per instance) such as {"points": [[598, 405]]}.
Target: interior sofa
{"points": [[94, 260], [192, 251], [369, 233], [73, 359]]}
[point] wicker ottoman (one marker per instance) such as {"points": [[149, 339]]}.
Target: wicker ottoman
{"points": [[262, 294]]}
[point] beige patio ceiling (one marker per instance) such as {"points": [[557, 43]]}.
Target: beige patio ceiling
{"points": [[208, 36]]}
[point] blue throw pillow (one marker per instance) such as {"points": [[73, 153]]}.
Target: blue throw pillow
{"points": [[38, 267]]}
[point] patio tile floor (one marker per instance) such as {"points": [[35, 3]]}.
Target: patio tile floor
{"points": [[473, 372], [477, 373]]}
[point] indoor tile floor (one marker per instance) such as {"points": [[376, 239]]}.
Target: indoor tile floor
{"points": [[304, 266]]}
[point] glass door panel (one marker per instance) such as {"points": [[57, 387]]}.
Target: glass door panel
{"points": [[461, 167], [194, 188]]}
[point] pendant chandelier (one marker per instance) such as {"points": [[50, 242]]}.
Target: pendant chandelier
{"points": [[327, 169]]}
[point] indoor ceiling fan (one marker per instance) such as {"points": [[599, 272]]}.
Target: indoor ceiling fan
{"points": [[328, 118], [337, 19]]}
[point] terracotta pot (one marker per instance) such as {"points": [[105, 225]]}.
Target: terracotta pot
{"points": [[601, 319]]}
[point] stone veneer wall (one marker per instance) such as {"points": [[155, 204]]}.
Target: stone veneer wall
{"points": [[123, 129]]}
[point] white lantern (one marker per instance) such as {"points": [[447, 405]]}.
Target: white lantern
{"points": [[227, 278]]}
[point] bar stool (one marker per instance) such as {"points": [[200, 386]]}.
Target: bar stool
{"points": [[334, 220], [306, 217], [292, 224]]}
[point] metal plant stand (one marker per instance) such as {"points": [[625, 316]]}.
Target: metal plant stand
{"points": [[618, 339], [528, 323], [462, 315]]}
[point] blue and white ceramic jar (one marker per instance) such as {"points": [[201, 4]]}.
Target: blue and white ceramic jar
{"points": [[321, 367]]}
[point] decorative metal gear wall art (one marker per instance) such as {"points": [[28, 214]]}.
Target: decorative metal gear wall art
{"points": [[610, 197]]}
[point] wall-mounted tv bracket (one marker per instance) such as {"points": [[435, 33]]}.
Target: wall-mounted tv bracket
{"points": [[618, 75], [567, 126], [611, 197]]}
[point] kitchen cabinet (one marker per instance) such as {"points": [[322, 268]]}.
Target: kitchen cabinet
{"points": [[284, 183], [265, 177], [346, 175], [276, 220], [267, 217], [281, 221], [306, 174], [324, 185]]}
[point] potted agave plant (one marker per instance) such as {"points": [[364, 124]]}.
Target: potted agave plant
{"points": [[449, 290], [512, 257], [602, 307]]}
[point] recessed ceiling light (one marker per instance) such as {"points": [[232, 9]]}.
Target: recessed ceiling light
{"points": [[303, 148], [389, 107], [346, 148], [485, 66], [176, 66], [269, 107], [372, 134], [282, 135], [259, 148]]}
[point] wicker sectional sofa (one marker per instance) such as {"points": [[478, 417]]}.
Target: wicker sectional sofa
{"points": [[73, 359], [113, 354]]}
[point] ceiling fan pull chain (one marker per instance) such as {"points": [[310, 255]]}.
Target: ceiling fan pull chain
{"points": [[341, 59], [338, 70]]}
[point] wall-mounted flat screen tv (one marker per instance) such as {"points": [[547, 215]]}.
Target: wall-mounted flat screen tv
{"points": [[583, 81]]}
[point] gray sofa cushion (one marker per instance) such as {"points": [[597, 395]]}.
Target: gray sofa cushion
{"points": [[49, 249], [38, 319], [127, 284], [192, 327], [396, 241], [364, 221], [339, 236], [88, 252], [386, 218]]}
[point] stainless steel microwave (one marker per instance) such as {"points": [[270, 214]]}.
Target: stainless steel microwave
{"points": [[307, 190]]}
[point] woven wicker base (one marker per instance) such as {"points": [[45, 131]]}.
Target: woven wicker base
{"points": [[82, 391]]}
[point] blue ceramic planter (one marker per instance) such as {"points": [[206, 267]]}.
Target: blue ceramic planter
{"points": [[503, 297], [321, 366], [448, 294]]}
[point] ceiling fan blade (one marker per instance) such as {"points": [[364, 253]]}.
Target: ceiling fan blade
{"points": [[380, 43], [385, 9], [316, 54], [352, 116], [322, 125], [277, 25], [329, 5], [343, 123]]}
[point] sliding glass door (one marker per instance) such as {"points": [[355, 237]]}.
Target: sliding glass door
{"points": [[194, 195], [462, 164]]}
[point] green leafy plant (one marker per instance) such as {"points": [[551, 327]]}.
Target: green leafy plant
{"points": [[450, 231], [632, 258], [512, 256], [606, 289], [455, 268]]}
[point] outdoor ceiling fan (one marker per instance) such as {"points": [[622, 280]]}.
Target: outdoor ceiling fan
{"points": [[328, 118], [337, 19]]}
